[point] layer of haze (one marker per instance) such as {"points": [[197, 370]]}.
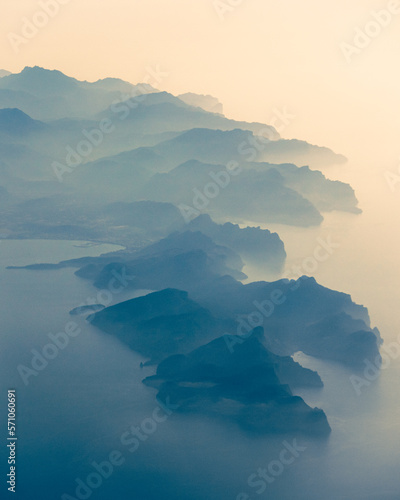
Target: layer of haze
{"points": [[264, 55]]}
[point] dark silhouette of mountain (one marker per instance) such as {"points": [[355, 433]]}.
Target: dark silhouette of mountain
{"points": [[153, 187], [40, 82], [248, 386], [295, 316], [177, 267], [324, 194], [164, 303], [162, 112], [159, 324], [258, 196], [223, 146], [212, 377], [255, 245], [151, 183], [14, 122], [289, 196], [341, 337], [230, 356], [49, 94], [187, 241]]}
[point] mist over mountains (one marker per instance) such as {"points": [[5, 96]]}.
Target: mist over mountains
{"points": [[176, 183]]}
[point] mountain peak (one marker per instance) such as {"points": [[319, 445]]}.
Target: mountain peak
{"points": [[39, 81]]}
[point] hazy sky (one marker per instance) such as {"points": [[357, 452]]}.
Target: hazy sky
{"points": [[256, 56]]}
